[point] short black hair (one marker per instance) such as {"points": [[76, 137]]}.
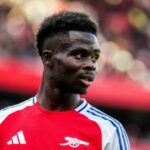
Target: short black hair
{"points": [[62, 22]]}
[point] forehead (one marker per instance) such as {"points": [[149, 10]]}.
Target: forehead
{"points": [[84, 38]]}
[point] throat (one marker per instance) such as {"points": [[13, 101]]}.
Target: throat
{"points": [[52, 98], [62, 103]]}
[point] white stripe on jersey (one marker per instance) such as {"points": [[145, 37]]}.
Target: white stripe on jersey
{"points": [[4, 113], [112, 130]]}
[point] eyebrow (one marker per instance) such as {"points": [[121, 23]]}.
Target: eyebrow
{"points": [[85, 50]]}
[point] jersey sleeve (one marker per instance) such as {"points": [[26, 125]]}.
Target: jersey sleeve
{"points": [[5, 112], [114, 136], [119, 139]]}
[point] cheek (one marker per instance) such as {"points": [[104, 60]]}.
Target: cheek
{"points": [[66, 67], [73, 64], [60, 71]]}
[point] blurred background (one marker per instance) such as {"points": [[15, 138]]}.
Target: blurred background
{"points": [[122, 86]]}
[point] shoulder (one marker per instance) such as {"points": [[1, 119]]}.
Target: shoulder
{"points": [[100, 117], [111, 128], [5, 112]]}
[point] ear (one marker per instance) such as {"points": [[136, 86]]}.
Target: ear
{"points": [[46, 57]]}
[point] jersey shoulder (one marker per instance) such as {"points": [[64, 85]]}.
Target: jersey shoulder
{"points": [[5, 112], [99, 116], [104, 120], [112, 130]]}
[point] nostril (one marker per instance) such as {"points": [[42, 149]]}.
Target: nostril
{"points": [[90, 67]]}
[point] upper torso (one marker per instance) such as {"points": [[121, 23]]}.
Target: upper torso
{"points": [[27, 126]]}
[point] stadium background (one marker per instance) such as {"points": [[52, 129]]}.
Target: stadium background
{"points": [[122, 86]]}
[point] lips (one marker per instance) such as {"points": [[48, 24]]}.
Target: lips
{"points": [[87, 79]]}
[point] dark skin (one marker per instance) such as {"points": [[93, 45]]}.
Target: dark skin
{"points": [[69, 69]]}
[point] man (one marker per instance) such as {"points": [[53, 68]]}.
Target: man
{"points": [[57, 118]]}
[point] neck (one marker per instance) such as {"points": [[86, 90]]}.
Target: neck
{"points": [[52, 98]]}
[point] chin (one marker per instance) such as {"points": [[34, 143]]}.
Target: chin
{"points": [[75, 90], [81, 91]]}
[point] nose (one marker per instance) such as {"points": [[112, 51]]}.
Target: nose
{"points": [[90, 65]]}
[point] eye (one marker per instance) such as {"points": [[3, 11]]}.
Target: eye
{"points": [[95, 57], [80, 55]]}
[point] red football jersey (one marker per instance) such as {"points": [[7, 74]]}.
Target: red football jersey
{"points": [[28, 126]]}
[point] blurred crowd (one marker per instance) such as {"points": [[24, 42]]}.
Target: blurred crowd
{"points": [[124, 34]]}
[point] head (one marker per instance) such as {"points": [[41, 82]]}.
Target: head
{"points": [[69, 50]]}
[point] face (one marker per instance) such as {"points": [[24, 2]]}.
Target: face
{"points": [[75, 63]]}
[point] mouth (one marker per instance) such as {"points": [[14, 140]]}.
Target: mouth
{"points": [[87, 79]]}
